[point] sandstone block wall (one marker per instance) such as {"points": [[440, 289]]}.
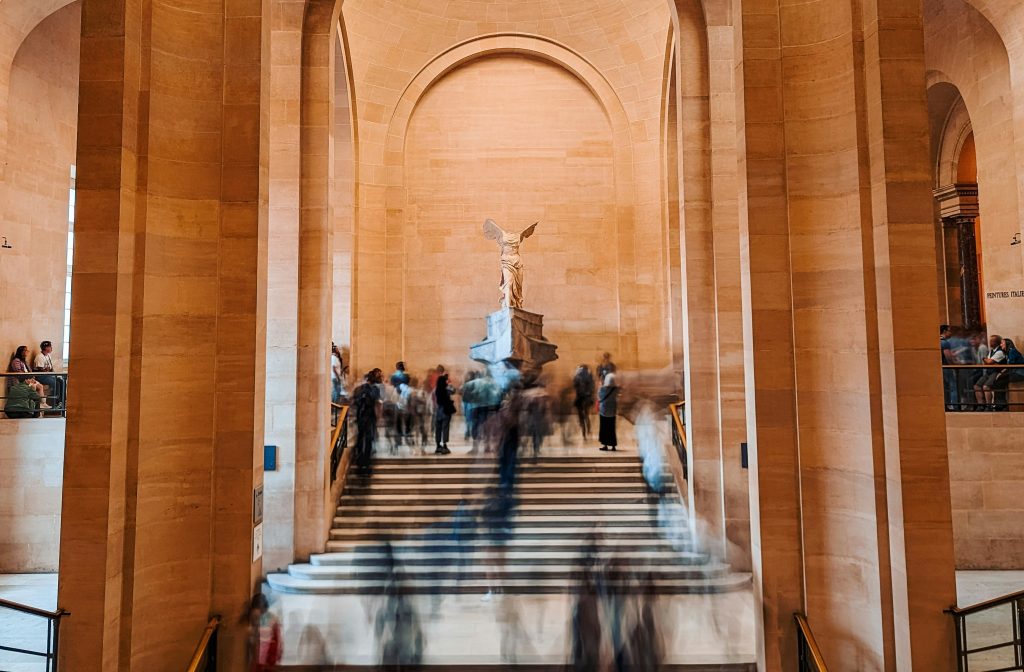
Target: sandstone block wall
{"points": [[986, 470], [32, 473]]}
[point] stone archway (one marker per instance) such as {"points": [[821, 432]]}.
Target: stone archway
{"points": [[957, 204]]}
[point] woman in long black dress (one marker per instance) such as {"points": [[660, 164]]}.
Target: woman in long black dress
{"points": [[608, 407]]}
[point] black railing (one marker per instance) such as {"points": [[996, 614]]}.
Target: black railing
{"points": [[339, 437], [677, 419], [55, 397], [809, 658], [205, 657], [49, 656], [990, 635], [988, 387]]}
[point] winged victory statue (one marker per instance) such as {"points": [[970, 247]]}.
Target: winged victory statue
{"points": [[511, 261]]}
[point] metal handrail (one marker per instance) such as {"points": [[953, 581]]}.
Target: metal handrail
{"points": [[987, 604], [810, 658], [339, 438], [52, 632], [35, 611], [963, 653], [679, 434], [206, 650]]}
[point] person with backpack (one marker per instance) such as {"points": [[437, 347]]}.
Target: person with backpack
{"points": [[584, 386], [366, 404]]}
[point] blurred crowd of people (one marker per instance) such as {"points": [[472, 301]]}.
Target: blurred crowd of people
{"points": [[984, 383], [401, 411]]}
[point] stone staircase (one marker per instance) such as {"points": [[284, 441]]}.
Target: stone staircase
{"points": [[565, 504]]}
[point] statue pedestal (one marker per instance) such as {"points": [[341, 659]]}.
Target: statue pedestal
{"points": [[514, 336]]}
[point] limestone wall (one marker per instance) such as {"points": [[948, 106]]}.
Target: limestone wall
{"points": [[986, 470], [31, 464], [41, 118]]}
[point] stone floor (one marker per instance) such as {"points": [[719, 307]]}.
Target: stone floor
{"points": [[464, 629]]}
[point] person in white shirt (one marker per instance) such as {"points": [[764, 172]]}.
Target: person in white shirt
{"points": [[984, 391], [43, 363]]}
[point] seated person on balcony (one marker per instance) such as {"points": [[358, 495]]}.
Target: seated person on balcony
{"points": [[23, 401], [985, 389], [44, 364], [1015, 357], [19, 364]]}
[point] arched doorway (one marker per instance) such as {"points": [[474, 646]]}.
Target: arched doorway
{"points": [[958, 218]]}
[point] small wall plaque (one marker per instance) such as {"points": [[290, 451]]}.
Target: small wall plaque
{"points": [[257, 505], [257, 542]]}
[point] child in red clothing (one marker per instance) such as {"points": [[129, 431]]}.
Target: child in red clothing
{"points": [[265, 645]]}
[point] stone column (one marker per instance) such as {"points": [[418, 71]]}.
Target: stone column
{"points": [[917, 493], [769, 367], [849, 474], [165, 426], [313, 506], [703, 424], [970, 290]]}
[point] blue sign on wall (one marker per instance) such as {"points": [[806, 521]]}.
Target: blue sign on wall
{"points": [[269, 458]]}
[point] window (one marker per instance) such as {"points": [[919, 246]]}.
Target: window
{"points": [[67, 282]]}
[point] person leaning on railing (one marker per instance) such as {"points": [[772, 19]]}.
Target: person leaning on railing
{"points": [[19, 364], [22, 401]]}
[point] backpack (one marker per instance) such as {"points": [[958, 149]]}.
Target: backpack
{"points": [[364, 401]]}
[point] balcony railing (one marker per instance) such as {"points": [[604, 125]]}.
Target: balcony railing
{"points": [[56, 393], [963, 387], [990, 635], [53, 618]]}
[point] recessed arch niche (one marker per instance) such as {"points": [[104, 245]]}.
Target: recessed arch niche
{"points": [[519, 129], [958, 224]]}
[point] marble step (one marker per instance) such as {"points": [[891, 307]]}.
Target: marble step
{"points": [[341, 552], [344, 539], [491, 477], [600, 511], [430, 459], [513, 554], [585, 523], [476, 489], [357, 586], [412, 500], [491, 467], [500, 573]]}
